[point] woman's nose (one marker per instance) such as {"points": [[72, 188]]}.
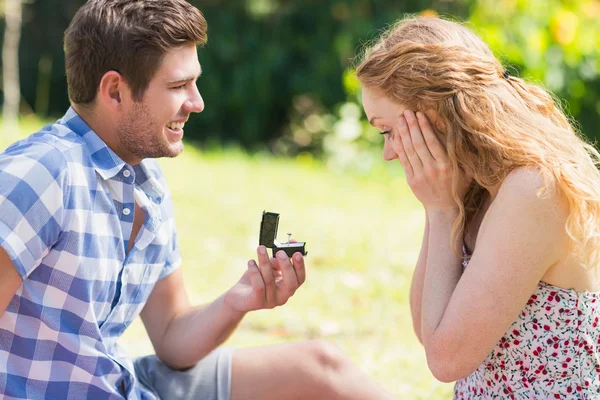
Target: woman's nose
{"points": [[388, 152]]}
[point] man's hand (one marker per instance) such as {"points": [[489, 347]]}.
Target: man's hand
{"points": [[267, 285]]}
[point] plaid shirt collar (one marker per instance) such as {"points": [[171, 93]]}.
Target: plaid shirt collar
{"points": [[107, 163]]}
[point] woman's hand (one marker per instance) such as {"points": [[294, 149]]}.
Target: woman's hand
{"points": [[426, 163]]}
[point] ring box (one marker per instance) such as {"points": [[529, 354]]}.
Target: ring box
{"points": [[268, 236]]}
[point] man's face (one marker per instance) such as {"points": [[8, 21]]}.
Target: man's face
{"points": [[153, 127]]}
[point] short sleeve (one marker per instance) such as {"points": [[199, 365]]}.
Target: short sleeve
{"points": [[33, 184], [173, 259]]}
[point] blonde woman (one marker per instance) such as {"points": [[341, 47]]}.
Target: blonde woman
{"points": [[504, 296]]}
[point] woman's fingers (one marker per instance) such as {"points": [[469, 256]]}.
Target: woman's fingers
{"points": [[411, 154], [438, 152], [417, 140]]}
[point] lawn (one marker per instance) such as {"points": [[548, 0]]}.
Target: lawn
{"points": [[363, 235]]}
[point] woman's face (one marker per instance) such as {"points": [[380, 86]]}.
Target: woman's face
{"points": [[383, 114]]}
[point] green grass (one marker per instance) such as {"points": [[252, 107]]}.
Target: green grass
{"points": [[363, 236]]}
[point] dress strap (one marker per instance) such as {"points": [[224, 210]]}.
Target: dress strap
{"points": [[466, 255]]}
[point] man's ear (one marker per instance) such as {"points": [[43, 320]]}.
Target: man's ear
{"points": [[113, 90]]}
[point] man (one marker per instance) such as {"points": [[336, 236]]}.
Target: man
{"points": [[88, 239]]}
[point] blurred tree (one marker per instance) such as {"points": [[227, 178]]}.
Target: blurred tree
{"points": [[268, 59], [555, 43], [276, 71], [262, 56], [10, 66]]}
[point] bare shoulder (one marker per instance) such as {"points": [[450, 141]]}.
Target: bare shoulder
{"points": [[531, 220], [527, 180], [526, 188]]}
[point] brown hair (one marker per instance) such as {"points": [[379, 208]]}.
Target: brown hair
{"points": [[494, 122], [127, 36]]}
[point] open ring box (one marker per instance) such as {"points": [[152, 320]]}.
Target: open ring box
{"points": [[268, 236]]}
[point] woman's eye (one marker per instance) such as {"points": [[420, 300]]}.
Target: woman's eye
{"points": [[385, 132]]}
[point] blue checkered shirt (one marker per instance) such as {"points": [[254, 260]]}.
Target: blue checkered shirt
{"points": [[66, 215]]}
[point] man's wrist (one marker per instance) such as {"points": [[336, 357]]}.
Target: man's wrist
{"points": [[232, 313]]}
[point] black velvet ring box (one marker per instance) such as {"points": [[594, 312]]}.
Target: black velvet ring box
{"points": [[268, 236]]}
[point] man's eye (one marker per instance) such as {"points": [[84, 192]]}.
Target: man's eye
{"points": [[385, 132], [179, 87]]}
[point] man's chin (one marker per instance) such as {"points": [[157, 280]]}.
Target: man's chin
{"points": [[170, 151], [175, 149]]}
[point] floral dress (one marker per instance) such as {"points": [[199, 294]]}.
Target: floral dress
{"points": [[549, 352]]}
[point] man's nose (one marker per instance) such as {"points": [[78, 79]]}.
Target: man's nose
{"points": [[195, 103]]}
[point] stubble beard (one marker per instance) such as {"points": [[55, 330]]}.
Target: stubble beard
{"points": [[141, 137]]}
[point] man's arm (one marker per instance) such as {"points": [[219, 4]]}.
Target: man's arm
{"points": [[35, 184], [182, 334], [10, 280]]}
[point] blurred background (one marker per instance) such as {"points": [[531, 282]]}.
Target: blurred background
{"points": [[284, 131]]}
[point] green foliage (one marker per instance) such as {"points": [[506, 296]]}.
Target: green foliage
{"points": [[263, 56], [278, 73], [269, 65], [553, 42]]}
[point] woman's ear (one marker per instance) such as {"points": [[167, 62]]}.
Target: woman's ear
{"points": [[438, 126], [436, 121]]}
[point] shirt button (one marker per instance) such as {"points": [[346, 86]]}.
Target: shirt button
{"points": [[126, 173], [126, 211]]}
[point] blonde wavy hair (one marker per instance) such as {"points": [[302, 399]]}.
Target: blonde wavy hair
{"points": [[493, 122]]}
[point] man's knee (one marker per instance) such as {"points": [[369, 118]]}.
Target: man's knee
{"points": [[326, 368], [327, 355]]}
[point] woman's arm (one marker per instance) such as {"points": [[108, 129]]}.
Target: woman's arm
{"points": [[465, 314], [441, 281], [416, 286]]}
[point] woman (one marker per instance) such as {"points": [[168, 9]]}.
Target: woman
{"points": [[508, 188]]}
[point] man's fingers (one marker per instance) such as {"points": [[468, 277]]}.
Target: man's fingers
{"points": [[287, 287], [266, 272], [274, 263], [258, 286], [276, 269], [299, 268]]}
